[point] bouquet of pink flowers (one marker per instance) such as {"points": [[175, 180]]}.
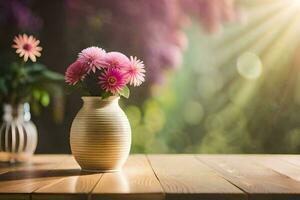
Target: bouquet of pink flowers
{"points": [[111, 72]]}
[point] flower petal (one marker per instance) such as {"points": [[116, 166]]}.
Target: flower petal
{"points": [[26, 57], [32, 57]]}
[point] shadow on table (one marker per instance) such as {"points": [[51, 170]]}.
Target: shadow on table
{"points": [[6, 165], [43, 173]]}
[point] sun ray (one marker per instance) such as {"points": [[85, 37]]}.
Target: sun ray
{"points": [[284, 38], [288, 38], [252, 37], [257, 17], [265, 41], [262, 42]]}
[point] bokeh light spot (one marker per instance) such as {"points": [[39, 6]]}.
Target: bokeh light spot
{"points": [[134, 115], [193, 112], [207, 87], [293, 138], [154, 118], [249, 65]]}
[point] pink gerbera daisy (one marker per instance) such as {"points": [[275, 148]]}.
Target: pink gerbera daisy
{"points": [[92, 57], [115, 60], [112, 80], [27, 47], [76, 72], [135, 72]]}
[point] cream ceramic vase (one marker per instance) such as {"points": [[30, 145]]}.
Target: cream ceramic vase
{"points": [[100, 135]]}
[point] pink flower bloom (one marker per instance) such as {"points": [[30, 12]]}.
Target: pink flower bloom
{"points": [[27, 47], [115, 60], [112, 80], [135, 72], [76, 72], [92, 57]]}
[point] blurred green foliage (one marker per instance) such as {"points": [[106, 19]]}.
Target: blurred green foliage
{"points": [[227, 98], [32, 83]]}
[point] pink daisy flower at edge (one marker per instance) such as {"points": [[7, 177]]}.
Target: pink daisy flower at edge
{"points": [[112, 80], [76, 72], [27, 47], [135, 71], [115, 60], [92, 57]]}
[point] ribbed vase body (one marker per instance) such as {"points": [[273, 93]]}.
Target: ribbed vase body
{"points": [[100, 135], [18, 135]]}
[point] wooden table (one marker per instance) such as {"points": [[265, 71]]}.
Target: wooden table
{"points": [[152, 177]]}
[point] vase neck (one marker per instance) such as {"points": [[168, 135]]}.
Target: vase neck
{"points": [[97, 102], [19, 112]]}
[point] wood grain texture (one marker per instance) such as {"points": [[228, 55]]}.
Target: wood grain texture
{"points": [[294, 159], [37, 162], [69, 183], [184, 177], [100, 135], [136, 181], [280, 165], [260, 177], [21, 180], [175, 177]]}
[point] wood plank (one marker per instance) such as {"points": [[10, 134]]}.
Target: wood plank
{"points": [[38, 161], [136, 181], [21, 180], [253, 175], [263, 177], [74, 184], [183, 177], [294, 159], [280, 165]]}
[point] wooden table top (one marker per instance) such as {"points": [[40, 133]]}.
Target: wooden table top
{"points": [[152, 177]]}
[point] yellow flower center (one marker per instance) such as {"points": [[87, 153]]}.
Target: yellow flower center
{"points": [[112, 80]]}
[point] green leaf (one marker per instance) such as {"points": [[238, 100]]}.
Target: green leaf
{"points": [[125, 92], [45, 99], [3, 87], [39, 72], [36, 67], [36, 94], [105, 95], [53, 75], [14, 66]]}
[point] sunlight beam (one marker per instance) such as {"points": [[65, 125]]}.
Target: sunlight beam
{"points": [[252, 36]]}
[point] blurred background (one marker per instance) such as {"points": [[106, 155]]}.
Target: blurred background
{"points": [[223, 76]]}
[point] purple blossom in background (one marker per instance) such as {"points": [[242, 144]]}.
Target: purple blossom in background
{"points": [[211, 13], [18, 12], [153, 30]]}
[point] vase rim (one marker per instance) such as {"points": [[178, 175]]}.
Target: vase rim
{"points": [[92, 98]]}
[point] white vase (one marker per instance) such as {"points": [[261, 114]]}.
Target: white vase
{"points": [[100, 135], [18, 135]]}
